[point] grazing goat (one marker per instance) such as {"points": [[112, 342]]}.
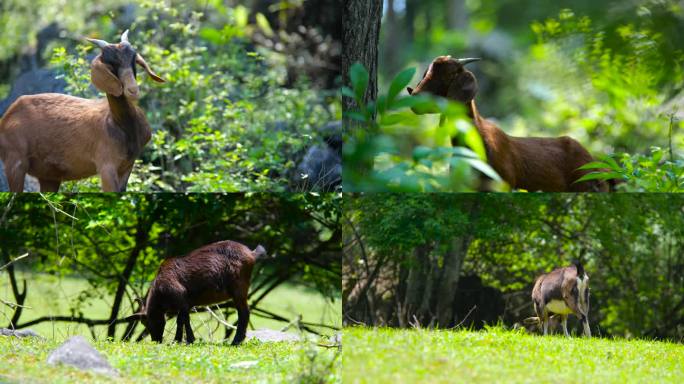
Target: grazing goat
{"points": [[57, 137], [531, 163], [562, 291], [208, 275]]}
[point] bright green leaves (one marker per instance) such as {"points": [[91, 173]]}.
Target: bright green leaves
{"points": [[400, 144], [641, 173]]}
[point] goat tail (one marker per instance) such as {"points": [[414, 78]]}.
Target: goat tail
{"points": [[259, 252]]}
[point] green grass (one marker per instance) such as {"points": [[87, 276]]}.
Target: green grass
{"points": [[23, 360], [208, 360], [50, 295], [501, 356]]}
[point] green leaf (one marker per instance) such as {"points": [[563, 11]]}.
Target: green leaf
{"points": [[464, 152], [346, 91], [599, 176], [421, 152], [264, 25], [484, 168], [594, 165], [471, 138], [399, 83], [355, 116], [359, 79]]}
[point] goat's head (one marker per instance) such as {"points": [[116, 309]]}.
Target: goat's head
{"points": [[113, 71], [447, 77]]}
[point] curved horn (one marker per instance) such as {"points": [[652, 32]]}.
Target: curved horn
{"points": [[99, 43], [124, 37], [468, 60]]}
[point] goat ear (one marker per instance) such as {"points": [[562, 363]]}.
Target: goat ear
{"points": [[139, 59], [104, 79], [463, 87]]}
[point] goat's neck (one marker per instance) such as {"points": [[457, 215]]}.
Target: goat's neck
{"points": [[127, 118]]}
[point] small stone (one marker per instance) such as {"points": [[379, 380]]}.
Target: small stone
{"points": [[18, 332], [271, 336], [79, 353], [245, 364]]}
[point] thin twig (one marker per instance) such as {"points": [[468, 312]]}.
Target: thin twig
{"points": [[465, 318], [14, 261], [227, 325], [14, 305]]}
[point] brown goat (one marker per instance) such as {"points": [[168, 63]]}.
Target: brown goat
{"points": [[57, 137], [562, 291], [531, 163], [208, 275]]}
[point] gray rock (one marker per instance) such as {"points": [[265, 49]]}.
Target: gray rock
{"points": [[31, 184], [31, 83], [321, 166], [18, 332], [79, 353], [271, 336]]}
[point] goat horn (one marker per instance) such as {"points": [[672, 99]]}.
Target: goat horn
{"points": [[124, 37], [100, 43], [468, 60]]}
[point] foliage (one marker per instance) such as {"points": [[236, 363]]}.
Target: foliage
{"points": [[226, 119], [640, 172], [148, 362], [117, 242], [55, 295], [376, 153], [498, 355], [608, 75], [631, 247]]}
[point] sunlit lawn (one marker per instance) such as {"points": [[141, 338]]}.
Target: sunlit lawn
{"points": [[501, 356], [49, 295]]}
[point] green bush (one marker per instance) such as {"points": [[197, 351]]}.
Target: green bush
{"points": [[223, 121], [392, 148]]}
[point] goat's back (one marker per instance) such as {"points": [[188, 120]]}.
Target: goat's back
{"points": [[206, 274], [54, 132], [553, 285]]}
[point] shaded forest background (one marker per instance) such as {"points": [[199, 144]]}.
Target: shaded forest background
{"points": [[114, 244], [250, 101], [608, 73], [445, 260]]}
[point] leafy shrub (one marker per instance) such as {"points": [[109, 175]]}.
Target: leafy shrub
{"points": [[392, 148], [222, 121]]}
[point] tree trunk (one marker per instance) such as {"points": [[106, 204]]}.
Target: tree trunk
{"points": [[141, 238], [19, 297], [457, 15], [451, 272], [360, 36]]}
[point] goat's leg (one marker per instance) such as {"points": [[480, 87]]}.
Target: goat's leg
{"points": [[189, 336], [243, 320], [109, 178], [545, 321], [564, 323], [585, 324], [15, 170], [49, 185], [123, 178], [180, 323]]}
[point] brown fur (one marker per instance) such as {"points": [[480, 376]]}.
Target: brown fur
{"points": [[531, 163], [56, 137], [561, 285], [209, 275]]}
